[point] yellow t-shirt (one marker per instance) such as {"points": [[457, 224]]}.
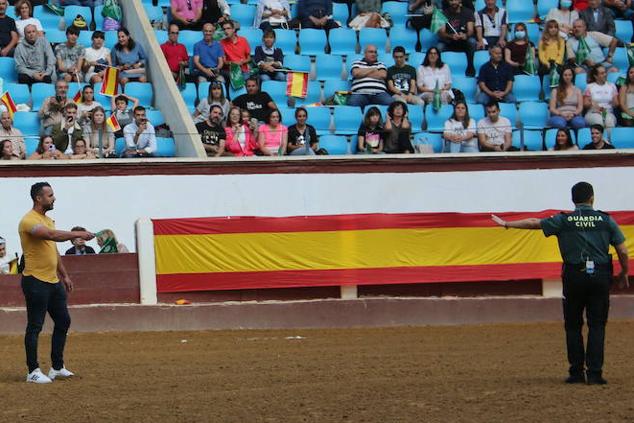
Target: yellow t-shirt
{"points": [[40, 256]]}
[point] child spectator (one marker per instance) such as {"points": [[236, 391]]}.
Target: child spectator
{"points": [[269, 58], [371, 135], [122, 112]]}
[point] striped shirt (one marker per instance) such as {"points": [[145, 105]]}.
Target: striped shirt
{"points": [[368, 85]]}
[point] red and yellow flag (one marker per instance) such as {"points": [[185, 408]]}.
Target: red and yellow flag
{"points": [[110, 85], [8, 103], [77, 98], [296, 84], [113, 123]]}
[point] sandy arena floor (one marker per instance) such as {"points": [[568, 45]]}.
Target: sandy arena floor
{"points": [[503, 373]]}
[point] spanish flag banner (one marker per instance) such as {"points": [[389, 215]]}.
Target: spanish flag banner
{"points": [[202, 254], [110, 85], [113, 123], [8, 103], [296, 84], [77, 98]]}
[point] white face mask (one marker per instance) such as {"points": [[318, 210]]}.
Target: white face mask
{"points": [[566, 3], [520, 34]]}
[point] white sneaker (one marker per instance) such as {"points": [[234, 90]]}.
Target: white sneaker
{"points": [[62, 373], [36, 376]]}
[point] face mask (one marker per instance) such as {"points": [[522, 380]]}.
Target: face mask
{"points": [[566, 3], [520, 34]]}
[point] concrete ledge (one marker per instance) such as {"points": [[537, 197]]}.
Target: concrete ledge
{"points": [[376, 312]]}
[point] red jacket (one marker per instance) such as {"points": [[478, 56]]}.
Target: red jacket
{"points": [[233, 145]]}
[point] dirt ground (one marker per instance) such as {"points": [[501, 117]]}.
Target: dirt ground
{"points": [[502, 373]]}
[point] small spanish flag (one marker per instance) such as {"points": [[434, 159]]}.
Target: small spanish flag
{"points": [[113, 123], [13, 267], [77, 98], [296, 83], [8, 103], [110, 85]]}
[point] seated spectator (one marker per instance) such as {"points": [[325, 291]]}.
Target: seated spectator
{"points": [[187, 14], [495, 80], [215, 96], [369, 80], [460, 132], [209, 57], [68, 131], [563, 141], [10, 132], [398, 130], [79, 247], [236, 50], [252, 123], [269, 59], [86, 105], [5, 259], [600, 99], [81, 151], [46, 150], [129, 57], [316, 14], [175, 53], [494, 131], [302, 137], [122, 112], [108, 243], [551, 48], [565, 16], [272, 14], [619, 8], [368, 15], [240, 137], [34, 58], [598, 18], [517, 49], [595, 41], [96, 59], [458, 32], [566, 103], [52, 109], [434, 72], [24, 13], [597, 143], [212, 133], [273, 136], [371, 135], [258, 103], [401, 79], [140, 138], [215, 12], [70, 57], [6, 151], [626, 99], [8, 32], [490, 26], [99, 135]]}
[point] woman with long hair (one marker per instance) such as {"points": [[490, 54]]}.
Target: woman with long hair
{"points": [[518, 48], [434, 72], [566, 103], [371, 135], [273, 136], [240, 138], [46, 150], [600, 98], [86, 105], [563, 141], [302, 137], [460, 134], [129, 57], [626, 98], [98, 134], [551, 48], [215, 96], [6, 151], [398, 129]]}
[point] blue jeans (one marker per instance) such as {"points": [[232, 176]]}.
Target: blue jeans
{"points": [[483, 98], [363, 100], [463, 147], [560, 122], [42, 297], [276, 76]]}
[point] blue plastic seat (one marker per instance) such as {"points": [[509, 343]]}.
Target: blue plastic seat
{"points": [[110, 39], [340, 12], [253, 36], [71, 12], [320, 118], [27, 122], [119, 146], [583, 137], [509, 111], [236, 93], [623, 30], [39, 92], [436, 120], [349, 61], [333, 85], [533, 115], [328, 66], [98, 17], [277, 91], [544, 6], [188, 39], [550, 136], [397, 10], [48, 19], [456, 61], [620, 59], [476, 111], [336, 145], [347, 119], [428, 39], [154, 13], [165, 147], [400, 35], [155, 117], [161, 36], [141, 90], [431, 139], [297, 62], [546, 88], [343, 41], [480, 58], [622, 138], [312, 41], [527, 87], [7, 70], [243, 14], [56, 36], [85, 38], [375, 36], [520, 11], [286, 39], [534, 34], [313, 94], [467, 85], [416, 117], [190, 95], [532, 140], [288, 114], [19, 92], [30, 145], [416, 58]]}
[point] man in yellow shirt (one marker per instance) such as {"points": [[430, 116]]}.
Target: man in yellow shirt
{"points": [[41, 285]]}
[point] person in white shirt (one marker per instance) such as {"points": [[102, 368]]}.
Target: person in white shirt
{"points": [[600, 98], [24, 17], [494, 131], [96, 59], [140, 138], [490, 26], [5, 259], [460, 131], [433, 71]]}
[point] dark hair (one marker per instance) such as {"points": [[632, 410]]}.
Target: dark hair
{"points": [[582, 192], [268, 116], [252, 78], [2, 143], [371, 111], [393, 105], [215, 106], [598, 127], [228, 22], [561, 87], [131, 43], [40, 144], [398, 49], [70, 105], [522, 24], [493, 103], [467, 118], [211, 87], [36, 189], [72, 30], [592, 75], [98, 34], [121, 98], [439, 62], [627, 76], [83, 90], [77, 228], [268, 33], [300, 109], [138, 108], [78, 140], [18, 5], [569, 142]]}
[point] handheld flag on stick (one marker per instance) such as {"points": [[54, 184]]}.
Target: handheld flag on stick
{"points": [[296, 84], [113, 123], [77, 98], [8, 103], [110, 85], [438, 20]]}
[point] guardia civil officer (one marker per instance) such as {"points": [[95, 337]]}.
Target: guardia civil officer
{"points": [[584, 237]]}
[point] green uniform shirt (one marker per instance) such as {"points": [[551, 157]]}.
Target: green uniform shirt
{"points": [[585, 234]]}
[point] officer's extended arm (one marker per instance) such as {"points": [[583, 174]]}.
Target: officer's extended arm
{"points": [[530, 223], [621, 251]]}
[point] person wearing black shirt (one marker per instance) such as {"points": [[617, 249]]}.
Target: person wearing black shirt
{"points": [[302, 138], [258, 103], [8, 32], [212, 134], [598, 143], [458, 33]]}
